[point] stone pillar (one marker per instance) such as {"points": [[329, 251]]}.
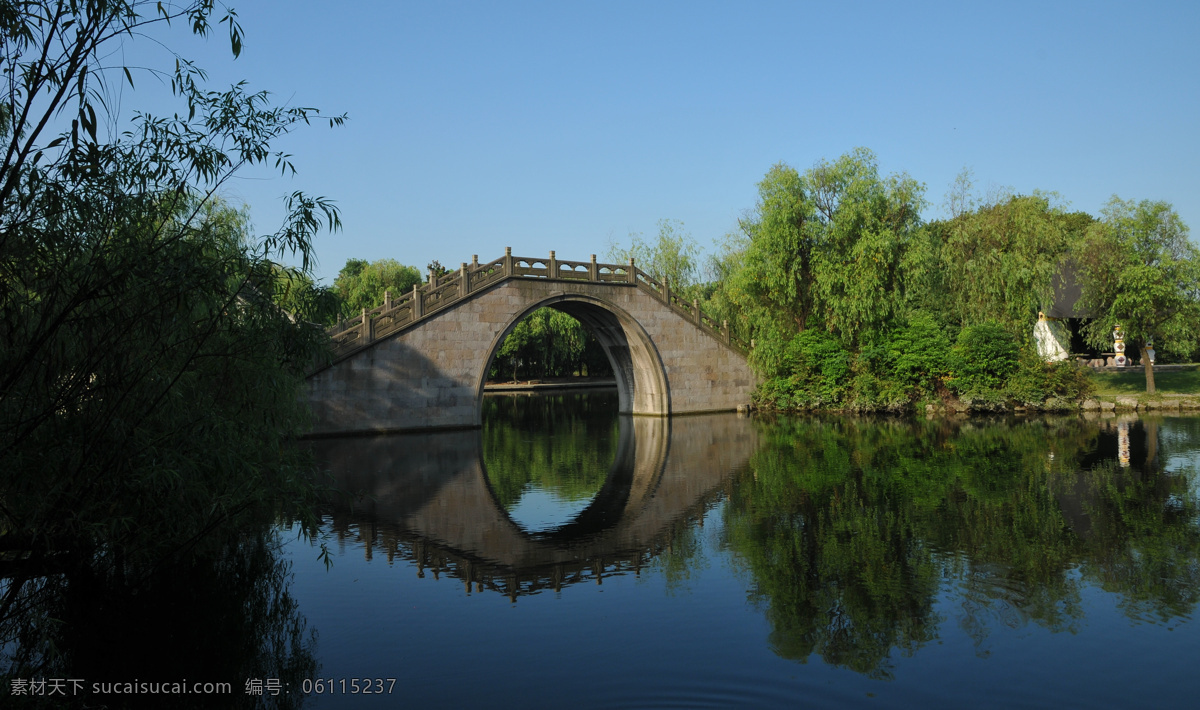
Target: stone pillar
{"points": [[666, 290], [593, 270], [552, 266], [368, 330], [464, 286], [696, 312], [418, 310], [387, 301], [508, 265], [632, 272], [725, 331]]}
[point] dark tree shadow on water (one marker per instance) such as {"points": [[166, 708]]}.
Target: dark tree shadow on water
{"points": [[223, 617]]}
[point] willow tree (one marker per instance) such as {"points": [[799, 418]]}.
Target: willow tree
{"points": [[672, 256], [147, 377], [1002, 260], [829, 249], [362, 284]]}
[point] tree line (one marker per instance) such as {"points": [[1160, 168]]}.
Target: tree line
{"points": [[856, 302]]}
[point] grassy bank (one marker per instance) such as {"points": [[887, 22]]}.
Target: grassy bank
{"points": [[1134, 382]]}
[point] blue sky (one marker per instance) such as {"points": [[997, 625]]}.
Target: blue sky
{"points": [[568, 125]]}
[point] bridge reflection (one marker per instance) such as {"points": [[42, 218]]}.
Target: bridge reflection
{"points": [[425, 497]]}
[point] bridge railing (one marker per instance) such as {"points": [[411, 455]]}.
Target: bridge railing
{"points": [[441, 292]]}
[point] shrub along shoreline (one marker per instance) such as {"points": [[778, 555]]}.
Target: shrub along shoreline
{"points": [[1073, 388]]}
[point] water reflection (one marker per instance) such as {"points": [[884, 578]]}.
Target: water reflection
{"points": [[548, 457], [221, 615], [446, 500], [863, 543], [855, 530]]}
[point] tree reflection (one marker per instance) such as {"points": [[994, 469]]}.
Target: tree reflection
{"points": [[223, 615], [851, 527], [560, 443]]}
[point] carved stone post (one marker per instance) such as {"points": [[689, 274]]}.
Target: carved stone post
{"points": [[1119, 346], [432, 279], [552, 266], [508, 266], [464, 286], [725, 331], [368, 330], [387, 301], [632, 272], [593, 270], [696, 311], [418, 308], [474, 261], [666, 290]]}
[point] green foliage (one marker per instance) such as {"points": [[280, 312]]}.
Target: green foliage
{"points": [[549, 343], [296, 292], [918, 354], [982, 359], [149, 379], [875, 386], [773, 282], [1000, 262], [842, 250], [827, 249], [1049, 385], [864, 227], [1143, 273], [717, 297], [812, 371], [673, 256], [361, 284]]}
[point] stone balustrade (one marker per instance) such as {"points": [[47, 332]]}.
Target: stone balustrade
{"points": [[397, 314]]}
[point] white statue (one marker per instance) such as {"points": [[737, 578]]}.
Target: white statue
{"points": [[1052, 338]]}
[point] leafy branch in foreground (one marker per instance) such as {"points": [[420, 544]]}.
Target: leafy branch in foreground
{"points": [[148, 378]]}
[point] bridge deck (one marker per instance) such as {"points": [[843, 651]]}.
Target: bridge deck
{"points": [[396, 315]]}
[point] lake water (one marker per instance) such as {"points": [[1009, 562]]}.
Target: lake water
{"points": [[565, 556]]}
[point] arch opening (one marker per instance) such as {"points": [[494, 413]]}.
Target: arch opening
{"points": [[549, 344], [640, 377]]}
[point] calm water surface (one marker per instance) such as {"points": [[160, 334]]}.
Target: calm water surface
{"points": [[568, 557]]}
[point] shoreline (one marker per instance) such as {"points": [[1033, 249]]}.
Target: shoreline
{"points": [[550, 383]]}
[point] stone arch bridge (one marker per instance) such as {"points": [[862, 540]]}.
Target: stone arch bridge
{"points": [[420, 361]]}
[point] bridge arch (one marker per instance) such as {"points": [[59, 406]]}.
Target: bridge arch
{"points": [[419, 361], [642, 386]]}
